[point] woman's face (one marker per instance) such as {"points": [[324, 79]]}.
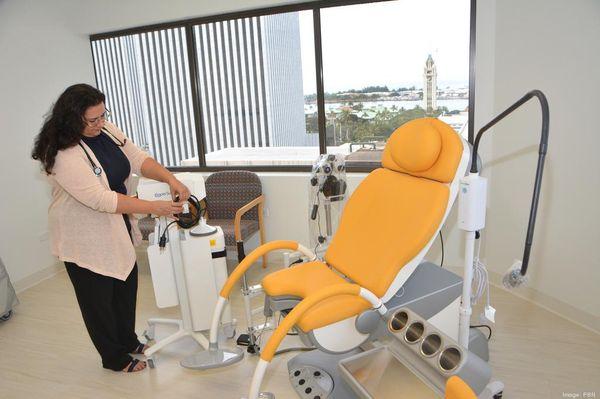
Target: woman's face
{"points": [[94, 118]]}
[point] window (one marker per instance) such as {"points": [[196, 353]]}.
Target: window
{"points": [[271, 89]]}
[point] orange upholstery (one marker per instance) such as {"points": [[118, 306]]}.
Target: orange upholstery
{"points": [[250, 259], [307, 278], [300, 280], [456, 388], [315, 299], [413, 145], [415, 149], [387, 221]]}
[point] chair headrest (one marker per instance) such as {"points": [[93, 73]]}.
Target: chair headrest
{"points": [[425, 147]]}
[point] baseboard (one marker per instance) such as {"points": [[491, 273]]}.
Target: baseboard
{"points": [[551, 304], [37, 277]]}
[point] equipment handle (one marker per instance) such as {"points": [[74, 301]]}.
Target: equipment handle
{"points": [[543, 148]]}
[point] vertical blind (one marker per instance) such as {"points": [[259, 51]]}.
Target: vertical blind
{"points": [[146, 81], [232, 84]]}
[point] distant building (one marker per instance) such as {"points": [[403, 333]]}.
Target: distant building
{"points": [[430, 86], [282, 64], [263, 104]]}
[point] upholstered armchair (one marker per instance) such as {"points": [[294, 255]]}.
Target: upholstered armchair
{"points": [[235, 202]]}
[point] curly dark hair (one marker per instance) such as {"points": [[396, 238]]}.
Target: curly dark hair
{"points": [[64, 123]]}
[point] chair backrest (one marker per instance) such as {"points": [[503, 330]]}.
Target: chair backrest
{"points": [[398, 209], [228, 191]]}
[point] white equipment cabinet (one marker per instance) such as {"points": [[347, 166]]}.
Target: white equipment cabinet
{"points": [[205, 271], [189, 271]]}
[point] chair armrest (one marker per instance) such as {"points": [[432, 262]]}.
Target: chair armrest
{"points": [[240, 212], [298, 311], [253, 256], [239, 271]]}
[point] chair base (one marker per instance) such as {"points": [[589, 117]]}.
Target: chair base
{"points": [[181, 332], [213, 358], [226, 331], [306, 364]]}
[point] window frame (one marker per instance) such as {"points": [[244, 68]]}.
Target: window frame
{"points": [[315, 6]]}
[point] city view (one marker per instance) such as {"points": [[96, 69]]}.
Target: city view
{"points": [[365, 118], [360, 121]]}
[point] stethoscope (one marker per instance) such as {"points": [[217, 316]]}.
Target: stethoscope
{"points": [[95, 168]]}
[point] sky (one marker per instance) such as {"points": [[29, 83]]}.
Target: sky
{"points": [[386, 44]]}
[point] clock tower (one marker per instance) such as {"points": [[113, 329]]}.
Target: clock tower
{"points": [[430, 86]]}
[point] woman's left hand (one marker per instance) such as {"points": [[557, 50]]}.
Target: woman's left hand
{"points": [[178, 189]]}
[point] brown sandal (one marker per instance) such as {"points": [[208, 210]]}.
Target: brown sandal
{"points": [[131, 368], [139, 350]]}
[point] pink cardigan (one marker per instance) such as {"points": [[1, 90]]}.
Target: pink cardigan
{"points": [[84, 228]]}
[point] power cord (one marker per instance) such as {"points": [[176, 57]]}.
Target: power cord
{"points": [[481, 286], [186, 222], [484, 326], [162, 242], [320, 240], [480, 278], [294, 349]]}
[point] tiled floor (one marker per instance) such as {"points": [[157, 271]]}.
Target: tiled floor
{"points": [[45, 353]]}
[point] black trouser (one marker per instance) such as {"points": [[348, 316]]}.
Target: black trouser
{"points": [[108, 309]]}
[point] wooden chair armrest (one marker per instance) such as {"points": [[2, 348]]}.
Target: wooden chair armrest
{"points": [[240, 212]]}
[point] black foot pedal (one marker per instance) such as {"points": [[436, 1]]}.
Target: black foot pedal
{"points": [[243, 340]]}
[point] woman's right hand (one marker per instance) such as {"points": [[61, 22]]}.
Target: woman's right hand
{"points": [[166, 208]]}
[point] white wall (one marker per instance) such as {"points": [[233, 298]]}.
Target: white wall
{"points": [[550, 45], [40, 57]]}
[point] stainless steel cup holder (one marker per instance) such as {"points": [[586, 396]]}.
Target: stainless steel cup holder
{"points": [[414, 332], [398, 321], [431, 345], [450, 359]]}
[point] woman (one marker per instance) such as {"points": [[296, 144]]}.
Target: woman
{"points": [[89, 162]]}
